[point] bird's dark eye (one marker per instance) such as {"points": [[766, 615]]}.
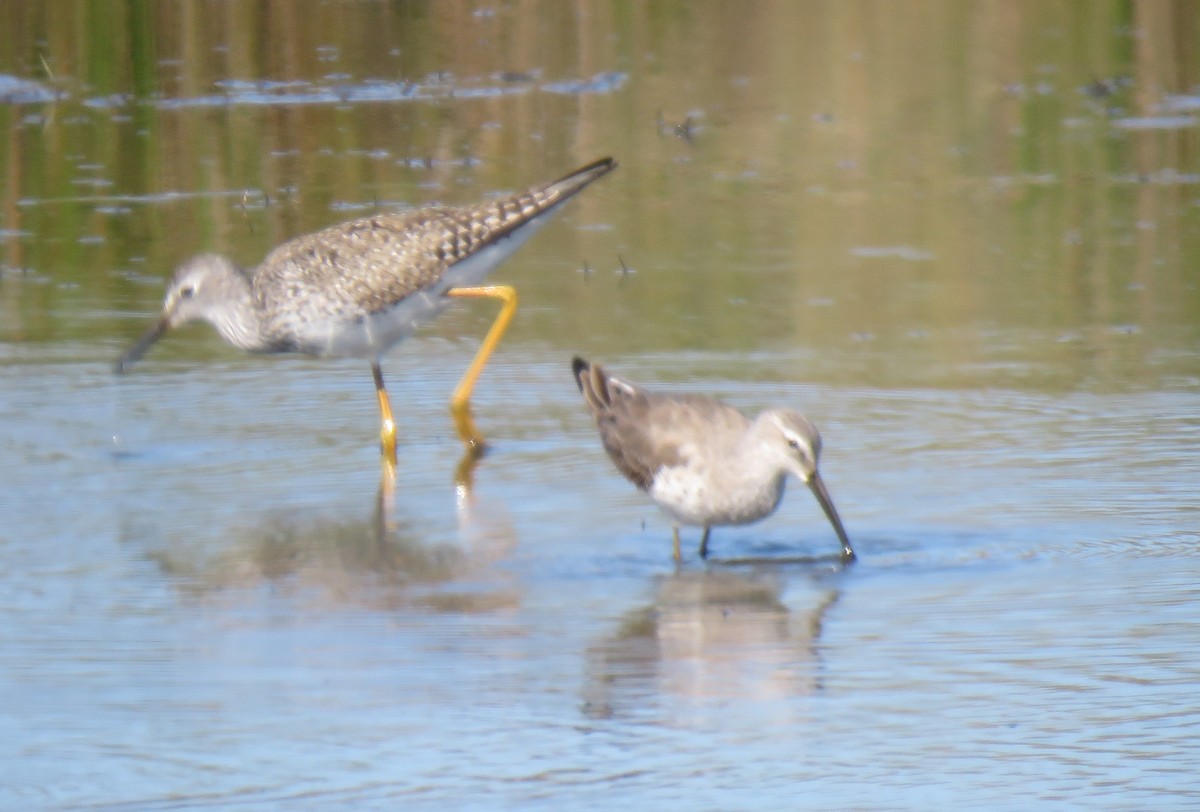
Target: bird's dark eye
{"points": [[794, 444], [187, 293]]}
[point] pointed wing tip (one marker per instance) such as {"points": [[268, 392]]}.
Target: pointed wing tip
{"points": [[607, 163], [588, 173]]}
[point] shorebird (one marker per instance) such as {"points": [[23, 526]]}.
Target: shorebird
{"points": [[358, 288], [702, 461]]}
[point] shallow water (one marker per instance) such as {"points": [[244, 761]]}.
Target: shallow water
{"points": [[981, 285], [213, 611]]}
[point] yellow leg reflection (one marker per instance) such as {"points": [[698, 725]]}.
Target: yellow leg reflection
{"points": [[387, 428], [460, 406], [387, 497], [464, 472]]}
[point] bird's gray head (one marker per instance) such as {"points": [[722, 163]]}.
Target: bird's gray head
{"points": [[795, 439], [204, 286], [797, 443], [200, 286]]}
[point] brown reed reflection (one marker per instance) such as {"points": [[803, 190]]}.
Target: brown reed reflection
{"points": [[1004, 177]]}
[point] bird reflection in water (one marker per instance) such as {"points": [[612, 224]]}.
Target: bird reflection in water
{"points": [[718, 633], [383, 561], [464, 484]]}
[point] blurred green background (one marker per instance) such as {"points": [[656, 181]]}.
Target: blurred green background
{"points": [[926, 192]]}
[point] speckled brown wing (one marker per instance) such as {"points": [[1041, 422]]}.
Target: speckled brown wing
{"points": [[625, 415], [369, 265], [360, 267]]}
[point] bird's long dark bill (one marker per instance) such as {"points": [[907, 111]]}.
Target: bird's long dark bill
{"points": [[818, 488], [142, 345]]}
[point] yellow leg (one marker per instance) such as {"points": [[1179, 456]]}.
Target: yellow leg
{"points": [[675, 535], [460, 405], [387, 428]]}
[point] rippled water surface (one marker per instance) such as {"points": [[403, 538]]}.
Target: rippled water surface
{"points": [[978, 276]]}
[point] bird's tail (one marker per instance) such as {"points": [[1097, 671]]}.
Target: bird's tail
{"points": [[593, 383]]}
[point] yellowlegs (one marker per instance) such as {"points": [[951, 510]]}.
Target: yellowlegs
{"points": [[358, 288], [700, 460]]}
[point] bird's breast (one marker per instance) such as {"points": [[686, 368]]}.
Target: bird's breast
{"points": [[715, 496]]}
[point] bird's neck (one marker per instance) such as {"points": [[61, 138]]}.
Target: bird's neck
{"points": [[238, 320], [750, 468]]}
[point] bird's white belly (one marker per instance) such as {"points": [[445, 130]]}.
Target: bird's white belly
{"points": [[371, 335], [705, 501]]}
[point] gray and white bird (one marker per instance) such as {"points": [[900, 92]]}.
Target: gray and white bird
{"points": [[702, 461], [358, 288]]}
